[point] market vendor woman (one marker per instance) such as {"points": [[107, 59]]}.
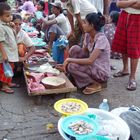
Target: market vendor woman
{"points": [[90, 65], [25, 46], [24, 39]]}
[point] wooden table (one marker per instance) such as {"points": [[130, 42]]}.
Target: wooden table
{"points": [[68, 87]]}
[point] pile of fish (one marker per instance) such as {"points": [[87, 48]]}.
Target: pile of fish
{"points": [[71, 107], [81, 127]]}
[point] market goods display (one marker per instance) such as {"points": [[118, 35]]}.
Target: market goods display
{"points": [[53, 81], [81, 127], [70, 106]]}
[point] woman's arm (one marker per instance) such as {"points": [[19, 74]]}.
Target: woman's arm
{"points": [[84, 43], [30, 52], [126, 3], [85, 61]]}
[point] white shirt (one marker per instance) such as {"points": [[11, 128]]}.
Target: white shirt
{"points": [[83, 7], [99, 4], [22, 37], [62, 23], [132, 11], [8, 41]]}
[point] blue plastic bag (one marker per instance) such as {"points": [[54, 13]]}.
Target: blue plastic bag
{"points": [[58, 49], [8, 69]]}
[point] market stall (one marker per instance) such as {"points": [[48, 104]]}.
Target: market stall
{"points": [[113, 126], [42, 78]]}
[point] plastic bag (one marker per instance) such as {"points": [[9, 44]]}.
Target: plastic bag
{"points": [[8, 69], [58, 49], [61, 42]]}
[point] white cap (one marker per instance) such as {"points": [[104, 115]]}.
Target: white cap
{"points": [[105, 100]]}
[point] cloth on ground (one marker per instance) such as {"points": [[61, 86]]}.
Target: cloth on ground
{"points": [[132, 118]]}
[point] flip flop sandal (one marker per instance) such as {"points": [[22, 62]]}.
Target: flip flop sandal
{"points": [[132, 85], [120, 74], [8, 91], [89, 91]]}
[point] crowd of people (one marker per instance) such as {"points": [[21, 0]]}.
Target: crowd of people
{"points": [[97, 30]]}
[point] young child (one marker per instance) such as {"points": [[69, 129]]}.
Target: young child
{"points": [[109, 30], [127, 39], [8, 46]]}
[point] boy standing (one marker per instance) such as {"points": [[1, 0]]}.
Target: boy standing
{"points": [[8, 46]]}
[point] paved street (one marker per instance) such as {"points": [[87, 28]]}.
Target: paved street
{"points": [[22, 119]]}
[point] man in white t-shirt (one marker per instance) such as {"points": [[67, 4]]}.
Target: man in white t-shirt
{"points": [[59, 17], [101, 5], [78, 9]]}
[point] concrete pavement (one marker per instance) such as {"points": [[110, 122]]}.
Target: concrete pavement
{"points": [[22, 119]]}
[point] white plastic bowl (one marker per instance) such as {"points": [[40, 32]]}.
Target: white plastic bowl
{"points": [[125, 132]]}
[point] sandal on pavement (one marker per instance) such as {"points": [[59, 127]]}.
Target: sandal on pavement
{"points": [[132, 85], [120, 74], [7, 90], [92, 89]]}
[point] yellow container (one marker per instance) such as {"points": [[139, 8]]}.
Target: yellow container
{"points": [[83, 106]]}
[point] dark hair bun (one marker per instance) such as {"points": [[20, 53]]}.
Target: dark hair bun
{"points": [[101, 19], [97, 19]]}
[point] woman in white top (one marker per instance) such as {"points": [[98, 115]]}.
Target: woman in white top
{"points": [[22, 37]]}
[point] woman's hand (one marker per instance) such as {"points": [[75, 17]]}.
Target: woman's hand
{"points": [[12, 24], [41, 20], [65, 64]]}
